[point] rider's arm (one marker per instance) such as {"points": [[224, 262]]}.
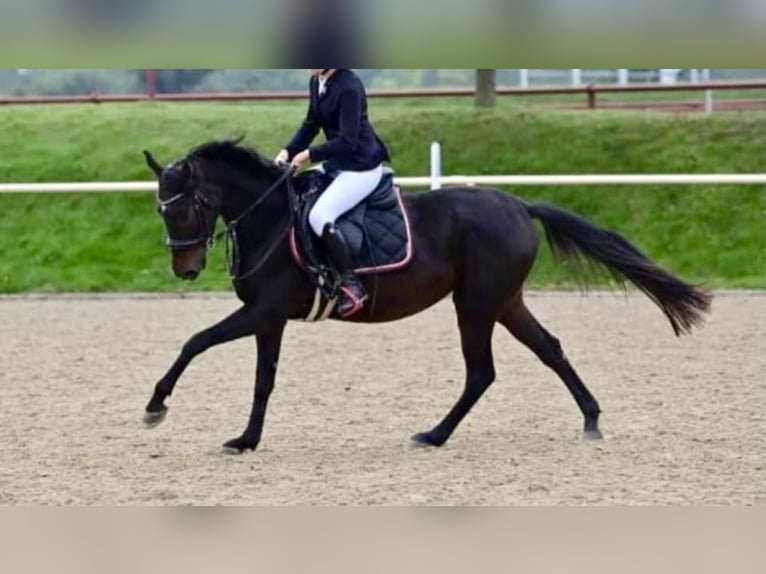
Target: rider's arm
{"points": [[309, 129]]}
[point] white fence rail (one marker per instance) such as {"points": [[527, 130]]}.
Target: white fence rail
{"points": [[92, 187], [425, 182]]}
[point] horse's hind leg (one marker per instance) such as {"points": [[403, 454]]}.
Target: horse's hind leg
{"points": [[522, 325], [476, 329]]}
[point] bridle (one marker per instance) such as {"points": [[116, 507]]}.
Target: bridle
{"points": [[199, 202], [233, 256]]}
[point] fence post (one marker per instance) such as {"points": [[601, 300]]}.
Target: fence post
{"points": [[708, 93], [591, 91], [436, 165], [151, 84], [486, 87]]}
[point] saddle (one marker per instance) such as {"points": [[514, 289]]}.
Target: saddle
{"points": [[377, 230]]}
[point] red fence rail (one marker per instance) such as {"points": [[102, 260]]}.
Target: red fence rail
{"points": [[590, 91]]}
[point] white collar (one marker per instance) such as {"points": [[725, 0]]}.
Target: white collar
{"points": [[323, 82]]}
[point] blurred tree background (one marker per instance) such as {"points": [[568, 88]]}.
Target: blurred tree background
{"points": [[78, 82]]}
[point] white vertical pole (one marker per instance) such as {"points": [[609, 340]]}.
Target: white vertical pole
{"points": [[524, 78], [436, 165], [708, 93], [622, 76], [576, 77]]}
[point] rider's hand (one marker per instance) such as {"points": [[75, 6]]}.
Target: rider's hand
{"points": [[282, 157], [301, 158]]}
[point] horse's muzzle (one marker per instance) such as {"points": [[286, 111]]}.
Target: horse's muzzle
{"points": [[188, 265]]}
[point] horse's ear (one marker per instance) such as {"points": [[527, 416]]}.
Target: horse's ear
{"points": [[153, 164]]}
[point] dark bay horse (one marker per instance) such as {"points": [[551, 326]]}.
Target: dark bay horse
{"points": [[477, 244]]}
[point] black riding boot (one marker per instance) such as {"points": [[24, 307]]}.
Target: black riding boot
{"points": [[352, 293]]}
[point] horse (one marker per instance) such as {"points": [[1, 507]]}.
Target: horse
{"points": [[477, 244]]}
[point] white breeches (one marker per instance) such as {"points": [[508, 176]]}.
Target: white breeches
{"points": [[344, 193]]}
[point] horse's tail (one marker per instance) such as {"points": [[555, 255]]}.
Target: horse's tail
{"points": [[572, 238]]}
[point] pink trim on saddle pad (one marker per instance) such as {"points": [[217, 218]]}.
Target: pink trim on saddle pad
{"points": [[369, 270]]}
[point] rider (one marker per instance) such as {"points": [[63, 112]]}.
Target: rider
{"points": [[338, 106]]}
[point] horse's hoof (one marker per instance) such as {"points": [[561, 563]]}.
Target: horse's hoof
{"points": [[593, 435], [425, 439], [238, 447], [152, 420]]}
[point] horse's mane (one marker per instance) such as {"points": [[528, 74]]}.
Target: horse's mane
{"points": [[245, 158]]}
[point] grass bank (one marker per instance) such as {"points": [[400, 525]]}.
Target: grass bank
{"points": [[110, 242]]}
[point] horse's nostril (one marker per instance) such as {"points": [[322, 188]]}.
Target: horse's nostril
{"points": [[191, 275]]}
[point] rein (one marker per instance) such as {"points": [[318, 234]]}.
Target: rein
{"points": [[230, 233]]}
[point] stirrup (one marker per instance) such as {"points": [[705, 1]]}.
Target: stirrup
{"points": [[350, 302]]}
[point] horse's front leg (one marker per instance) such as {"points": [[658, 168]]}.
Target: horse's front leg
{"points": [[243, 322], [268, 346]]}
